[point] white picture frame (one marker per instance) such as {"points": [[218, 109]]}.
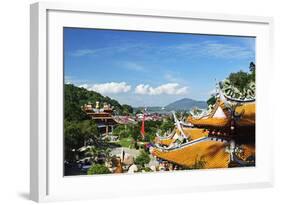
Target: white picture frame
{"points": [[47, 182]]}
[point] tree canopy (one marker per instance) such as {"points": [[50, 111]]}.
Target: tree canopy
{"points": [[98, 169], [241, 79], [76, 133], [142, 159]]}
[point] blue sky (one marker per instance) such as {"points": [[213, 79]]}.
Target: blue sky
{"points": [[152, 68]]}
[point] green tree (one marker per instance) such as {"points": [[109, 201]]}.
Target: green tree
{"points": [[167, 125], [72, 140], [72, 108], [127, 109], [122, 131], [76, 134], [240, 79], [92, 152], [106, 153], [252, 69], [211, 100], [98, 169], [118, 129], [142, 159], [89, 130]]}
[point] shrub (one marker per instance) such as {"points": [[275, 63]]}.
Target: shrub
{"points": [[142, 159], [147, 169], [98, 169]]}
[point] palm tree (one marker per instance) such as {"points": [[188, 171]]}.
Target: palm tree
{"points": [[107, 156], [107, 153]]}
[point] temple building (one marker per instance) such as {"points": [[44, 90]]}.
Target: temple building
{"points": [[221, 137], [102, 116]]}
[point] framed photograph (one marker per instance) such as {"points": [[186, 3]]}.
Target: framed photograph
{"points": [[132, 102]]}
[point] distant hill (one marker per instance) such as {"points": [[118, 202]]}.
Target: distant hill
{"points": [[186, 104]]}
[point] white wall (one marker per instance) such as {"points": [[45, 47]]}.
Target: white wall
{"points": [[14, 101]]}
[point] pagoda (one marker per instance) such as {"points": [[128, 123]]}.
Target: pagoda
{"points": [[102, 116]]}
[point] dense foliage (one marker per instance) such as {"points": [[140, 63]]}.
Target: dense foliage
{"points": [[241, 79], [211, 100], [167, 125], [77, 134], [129, 130], [98, 169], [127, 109], [142, 159]]}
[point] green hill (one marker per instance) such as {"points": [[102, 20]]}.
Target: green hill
{"points": [[75, 97]]}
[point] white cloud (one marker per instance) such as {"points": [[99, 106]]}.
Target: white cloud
{"points": [[112, 87], [216, 49], [142, 89], [68, 79], [168, 89]]}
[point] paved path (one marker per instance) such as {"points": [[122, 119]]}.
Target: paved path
{"points": [[118, 150]]}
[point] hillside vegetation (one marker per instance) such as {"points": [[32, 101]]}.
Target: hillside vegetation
{"points": [[75, 97], [78, 128]]}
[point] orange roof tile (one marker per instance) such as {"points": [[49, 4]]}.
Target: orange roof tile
{"points": [[211, 153]]}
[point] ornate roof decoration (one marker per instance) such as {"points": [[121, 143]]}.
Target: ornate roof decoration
{"points": [[232, 93]]}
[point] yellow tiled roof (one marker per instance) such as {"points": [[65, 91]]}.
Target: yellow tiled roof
{"points": [[248, 114], [212, 154]]}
